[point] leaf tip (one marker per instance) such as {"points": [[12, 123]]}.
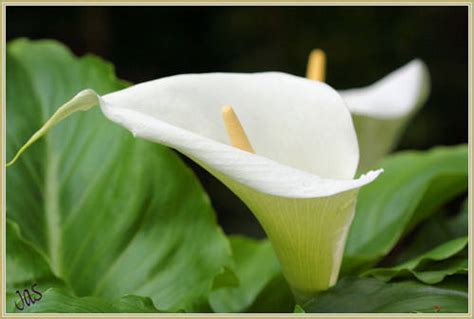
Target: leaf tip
{"points": [[82, 101], [11, 162], [17, 155]]}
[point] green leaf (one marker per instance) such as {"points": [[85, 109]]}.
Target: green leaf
{"points": [[227, 278], [58, 301], [275, 297], [132, 303], [455, 282], [26, 267], [414, 185], [439, 271], [432, 273], [25, 263], [458, 225], [112, 215], [255, 266], [439, 228], [367, 295]]}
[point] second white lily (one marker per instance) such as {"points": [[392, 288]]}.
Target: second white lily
{"points": [[381, 110]]}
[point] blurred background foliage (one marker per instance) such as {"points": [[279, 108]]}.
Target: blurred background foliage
{"points": [[362, 45]]}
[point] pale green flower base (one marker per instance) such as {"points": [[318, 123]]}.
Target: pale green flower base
{"points": [[308, 235], [381, 111], [377, 138]]}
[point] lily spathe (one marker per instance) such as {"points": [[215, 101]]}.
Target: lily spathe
{"points": [[296, 172]]}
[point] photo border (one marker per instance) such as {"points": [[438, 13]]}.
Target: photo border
{"points": [[6, 4]]}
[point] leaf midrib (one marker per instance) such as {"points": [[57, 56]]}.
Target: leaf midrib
{"points": [[51, 206]]}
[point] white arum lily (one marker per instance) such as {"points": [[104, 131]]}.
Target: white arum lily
{"points": [[299, 183], [382, 110]]}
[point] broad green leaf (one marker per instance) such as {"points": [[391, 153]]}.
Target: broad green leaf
{"points": [[367, 295], [432, 273], [132, 303], [413, 186], [455, 282], [441, 190], [26, 267], [13, 293], [439, 228], [112, 215], [439, 271], [227, 278], [275, 297], [58, 301], [458, 225], [25, 263], [11, 298], [256, 265]]}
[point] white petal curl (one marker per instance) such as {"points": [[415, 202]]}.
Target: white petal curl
{"points": [[396, 95], [301, 130], [382, 110]]}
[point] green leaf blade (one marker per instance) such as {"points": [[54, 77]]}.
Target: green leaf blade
{"points": [[407, 193], [59, 301], [256, 265], [430, 274], [113, 215], [368, 295]]}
